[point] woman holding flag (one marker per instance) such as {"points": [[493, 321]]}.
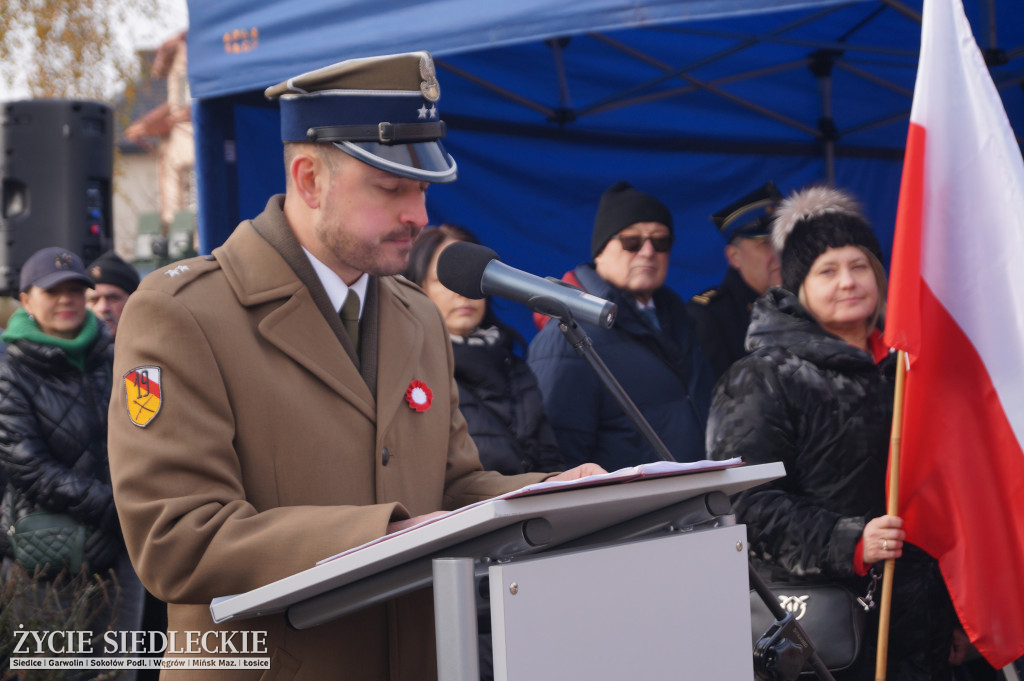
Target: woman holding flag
{"points": [[816, 393]]}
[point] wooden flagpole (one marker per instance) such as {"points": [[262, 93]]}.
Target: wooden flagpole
{"points": [[892, 508]]}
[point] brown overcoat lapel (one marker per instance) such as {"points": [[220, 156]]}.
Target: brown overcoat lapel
{"points": [[303, 326]]}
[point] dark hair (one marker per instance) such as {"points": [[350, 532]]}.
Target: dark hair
{"points": [[426, 245], [423, 250]]}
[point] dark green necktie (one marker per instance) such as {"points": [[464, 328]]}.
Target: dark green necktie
{"points": [[350, 317]]}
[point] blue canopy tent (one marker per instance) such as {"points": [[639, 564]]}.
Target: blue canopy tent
{"points": [[549, 103]]}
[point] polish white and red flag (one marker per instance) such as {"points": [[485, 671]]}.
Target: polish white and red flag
{"points": [[956, 306]]}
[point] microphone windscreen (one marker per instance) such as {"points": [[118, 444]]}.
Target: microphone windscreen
{"points": [[460, 268]]}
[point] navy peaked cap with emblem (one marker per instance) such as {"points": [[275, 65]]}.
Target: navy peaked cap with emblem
{"points": [[380, 110], [51, 266], [749, 216]]}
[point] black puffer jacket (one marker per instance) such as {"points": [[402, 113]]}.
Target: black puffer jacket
{"points": [[499, 397], [824, 408], [53, 440]]}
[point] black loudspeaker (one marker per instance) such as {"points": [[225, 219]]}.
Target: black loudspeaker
{"points": [[58, 159]]}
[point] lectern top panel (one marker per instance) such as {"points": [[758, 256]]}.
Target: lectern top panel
{"points": [[573, 512]]}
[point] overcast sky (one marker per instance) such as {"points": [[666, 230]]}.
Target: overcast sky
{"points": [[174, 19], [140, 34]]}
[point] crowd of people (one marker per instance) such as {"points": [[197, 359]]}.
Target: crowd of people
{"points": [[55, 384], [289, 396]]}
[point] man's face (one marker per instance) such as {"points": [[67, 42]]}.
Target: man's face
{"points": [[368, 219], [756, 261], [639, 273], [107, 302]]}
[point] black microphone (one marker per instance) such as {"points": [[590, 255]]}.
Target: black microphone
{"points": [[474, 271]]}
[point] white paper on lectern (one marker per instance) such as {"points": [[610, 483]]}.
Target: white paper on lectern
{"points": [[573, 512], [656, 469]]}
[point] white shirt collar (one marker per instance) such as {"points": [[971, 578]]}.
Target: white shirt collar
{"points": [[336, 289]]}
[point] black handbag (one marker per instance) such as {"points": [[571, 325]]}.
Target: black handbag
{"points": [[831, 615], [49, 542]]}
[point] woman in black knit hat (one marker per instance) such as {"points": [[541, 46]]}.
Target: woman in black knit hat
{"points": [[816, 393]]}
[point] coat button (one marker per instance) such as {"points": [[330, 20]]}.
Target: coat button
{"points": [[385, 456]]}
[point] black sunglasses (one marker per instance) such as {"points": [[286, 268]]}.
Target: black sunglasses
{"points": [[632, 243]]}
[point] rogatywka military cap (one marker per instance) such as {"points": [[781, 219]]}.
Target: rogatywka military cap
{"points": [[749, 216], [380, 110]]}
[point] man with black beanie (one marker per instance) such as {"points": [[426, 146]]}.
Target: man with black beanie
{"points": [[651, 349], [114, 280]]}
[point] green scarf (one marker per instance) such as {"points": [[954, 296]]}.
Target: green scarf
{"points": [[23, 326]]}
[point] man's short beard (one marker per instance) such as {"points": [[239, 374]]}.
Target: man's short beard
{"points": [[357, 255]]}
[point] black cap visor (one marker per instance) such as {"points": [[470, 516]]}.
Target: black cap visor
{"points": [[422, 161], [48, 281]]}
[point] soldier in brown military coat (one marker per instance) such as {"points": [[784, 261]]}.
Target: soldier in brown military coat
{"points": [[251, 435]]}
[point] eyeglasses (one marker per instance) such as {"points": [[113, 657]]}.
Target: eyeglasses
{"points": [[633, 243]]}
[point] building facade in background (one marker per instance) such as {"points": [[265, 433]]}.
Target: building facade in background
{"points": [[156, 190]]}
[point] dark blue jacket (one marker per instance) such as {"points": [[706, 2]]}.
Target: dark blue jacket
{"points": [[663, 372], [721, 316]]}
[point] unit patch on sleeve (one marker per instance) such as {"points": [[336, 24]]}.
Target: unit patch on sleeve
{"points": [[142, 394]]}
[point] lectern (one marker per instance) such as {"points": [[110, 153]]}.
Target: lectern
{"points": [[642, 576]]}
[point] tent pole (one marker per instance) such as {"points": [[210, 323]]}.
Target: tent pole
{"points": [[993, 37], [828, 127], [500, 91], [670, 72], [830, 162], [564, 98], [903, 9], [821, 63]]}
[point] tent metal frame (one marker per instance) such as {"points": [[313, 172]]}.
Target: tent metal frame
{"points": [[823, 57]]}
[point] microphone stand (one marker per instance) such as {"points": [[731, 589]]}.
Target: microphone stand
{"points": [[581, 343], [783, 650]]}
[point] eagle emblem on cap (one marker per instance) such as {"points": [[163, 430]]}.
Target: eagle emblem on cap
{"points": [[430, 88], [63, 261]]}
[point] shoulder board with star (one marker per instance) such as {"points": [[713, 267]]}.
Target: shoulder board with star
{"points": [[176, 276], [705, 297]]}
